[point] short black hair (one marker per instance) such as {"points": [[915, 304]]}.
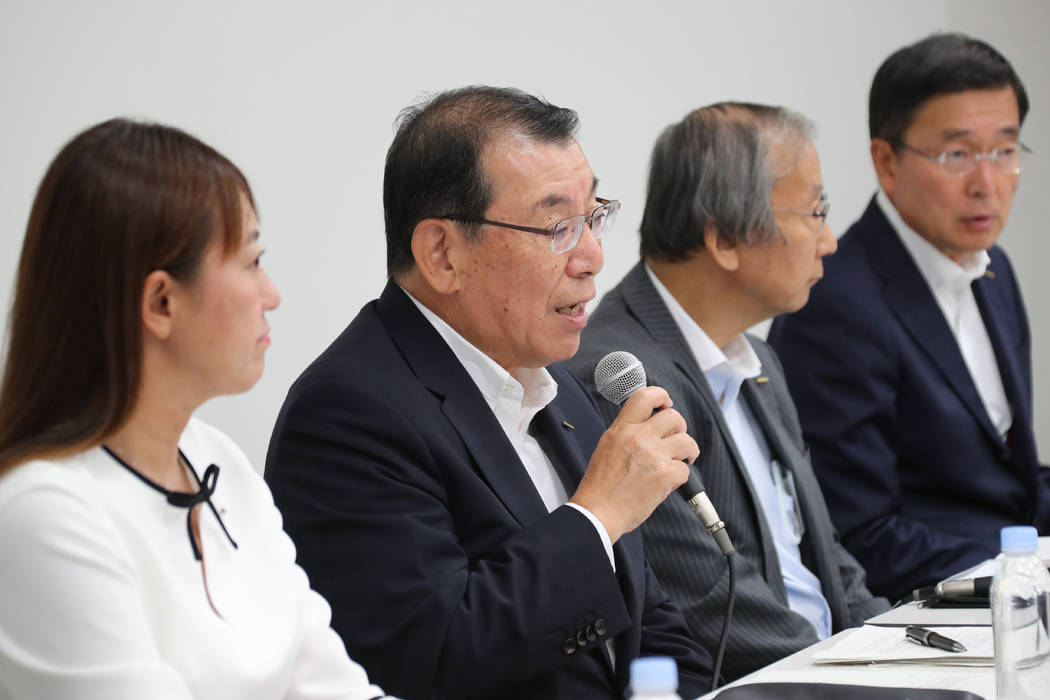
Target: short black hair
{"points": [[940, 64], [718, 165], [433, 166]]}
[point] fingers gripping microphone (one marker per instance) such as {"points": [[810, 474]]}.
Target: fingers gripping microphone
{"points": [[618, 375]]}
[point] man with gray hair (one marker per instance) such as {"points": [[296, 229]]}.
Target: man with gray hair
{"points": [[733, 234]]}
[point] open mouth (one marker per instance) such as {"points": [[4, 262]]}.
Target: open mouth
{"points": [[574, 310]]}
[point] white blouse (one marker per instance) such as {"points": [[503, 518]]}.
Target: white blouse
{"points": [[101, 597]]}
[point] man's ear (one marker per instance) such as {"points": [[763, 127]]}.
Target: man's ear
{"points": [[437, 246], [884, 158], [158, 303], [723, 251]]}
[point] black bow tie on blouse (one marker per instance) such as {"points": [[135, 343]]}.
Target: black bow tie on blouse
{"points": [[186, 500]]}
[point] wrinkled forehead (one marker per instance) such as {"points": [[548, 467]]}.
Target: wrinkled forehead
{"points": [[539, 174]]}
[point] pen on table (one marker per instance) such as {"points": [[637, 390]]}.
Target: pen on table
{"points": [[929, 638]]}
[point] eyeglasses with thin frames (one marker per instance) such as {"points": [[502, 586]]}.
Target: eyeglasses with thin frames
{"points": [[820, 212], [963, 161], [565, 233]]}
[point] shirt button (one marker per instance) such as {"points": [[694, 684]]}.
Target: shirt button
{"points": [[568, 646]]}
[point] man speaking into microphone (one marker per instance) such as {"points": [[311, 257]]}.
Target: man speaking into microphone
{"points": [[733, 234], [463, 509]]}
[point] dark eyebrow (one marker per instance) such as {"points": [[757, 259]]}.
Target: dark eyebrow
{"points": [[817, 190], [550, 201], [952, 134]]}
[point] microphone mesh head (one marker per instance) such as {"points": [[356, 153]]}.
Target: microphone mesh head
{"points": [[618, 375]]}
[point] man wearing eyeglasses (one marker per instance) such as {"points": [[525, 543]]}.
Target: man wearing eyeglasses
{"points": [[911, 364], [733, 234], [462, 507]]}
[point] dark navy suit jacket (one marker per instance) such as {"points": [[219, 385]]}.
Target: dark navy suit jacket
{"points": [[415, 518], [916, 477]]}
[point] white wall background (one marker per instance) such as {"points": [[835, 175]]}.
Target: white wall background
{"points": [[303, 96]]}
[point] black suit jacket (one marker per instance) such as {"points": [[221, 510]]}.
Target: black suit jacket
{"points": [[918, 481], [415, 518], [633, 317]]}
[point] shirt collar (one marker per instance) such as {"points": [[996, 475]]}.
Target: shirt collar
{"points": [[515, 398], [940, 271], [737, 353]]}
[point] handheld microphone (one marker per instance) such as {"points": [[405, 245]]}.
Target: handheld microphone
{"points": [[979, 587], [618, 375]]}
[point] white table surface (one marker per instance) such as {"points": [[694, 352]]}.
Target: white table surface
{"points": [[799, 667]]}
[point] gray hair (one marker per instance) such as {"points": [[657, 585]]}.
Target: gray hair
{"points": [[718, 165]]}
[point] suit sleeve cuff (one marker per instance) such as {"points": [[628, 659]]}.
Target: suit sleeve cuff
{"points": [[606, 540]]}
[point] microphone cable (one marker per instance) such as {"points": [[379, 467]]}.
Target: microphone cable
{"points": [[727, 620]]}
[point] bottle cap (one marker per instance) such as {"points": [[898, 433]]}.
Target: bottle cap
{"points": [[1019, 538], [654, 674]]}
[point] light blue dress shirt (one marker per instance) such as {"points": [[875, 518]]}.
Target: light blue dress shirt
{"points": [[726, 369]]}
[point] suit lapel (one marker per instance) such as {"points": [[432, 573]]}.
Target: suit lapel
{"points": [[909, 297], [988, 293], [645, 304], [462, 403], [988, 302], [553, 429], [821, 539]]}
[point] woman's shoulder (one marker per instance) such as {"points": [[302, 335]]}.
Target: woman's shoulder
{"points": [[41, 476], [48, 502]]}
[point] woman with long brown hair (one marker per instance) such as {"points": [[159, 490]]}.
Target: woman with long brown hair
{"points": [[142, 557]]}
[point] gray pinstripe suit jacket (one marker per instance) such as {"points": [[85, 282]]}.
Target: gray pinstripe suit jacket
{"points": [[632, 317]]}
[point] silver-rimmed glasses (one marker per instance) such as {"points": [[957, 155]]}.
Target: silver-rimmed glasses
{"points": [[820, 212], [963, 161], [564, 234]]}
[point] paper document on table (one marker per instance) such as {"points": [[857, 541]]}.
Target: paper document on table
{"points": [[879, 645]]}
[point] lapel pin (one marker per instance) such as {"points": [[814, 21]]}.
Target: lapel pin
{"points": [[989, 274], [567, 425], [761, 380]]}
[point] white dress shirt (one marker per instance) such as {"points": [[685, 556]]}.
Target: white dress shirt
{"points": [[101, 597], [515, 399], [950, 283], [726, 369]]}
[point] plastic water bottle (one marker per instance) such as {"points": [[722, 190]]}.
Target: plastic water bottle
{"points": [[1020, 599], [654, 678]]}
